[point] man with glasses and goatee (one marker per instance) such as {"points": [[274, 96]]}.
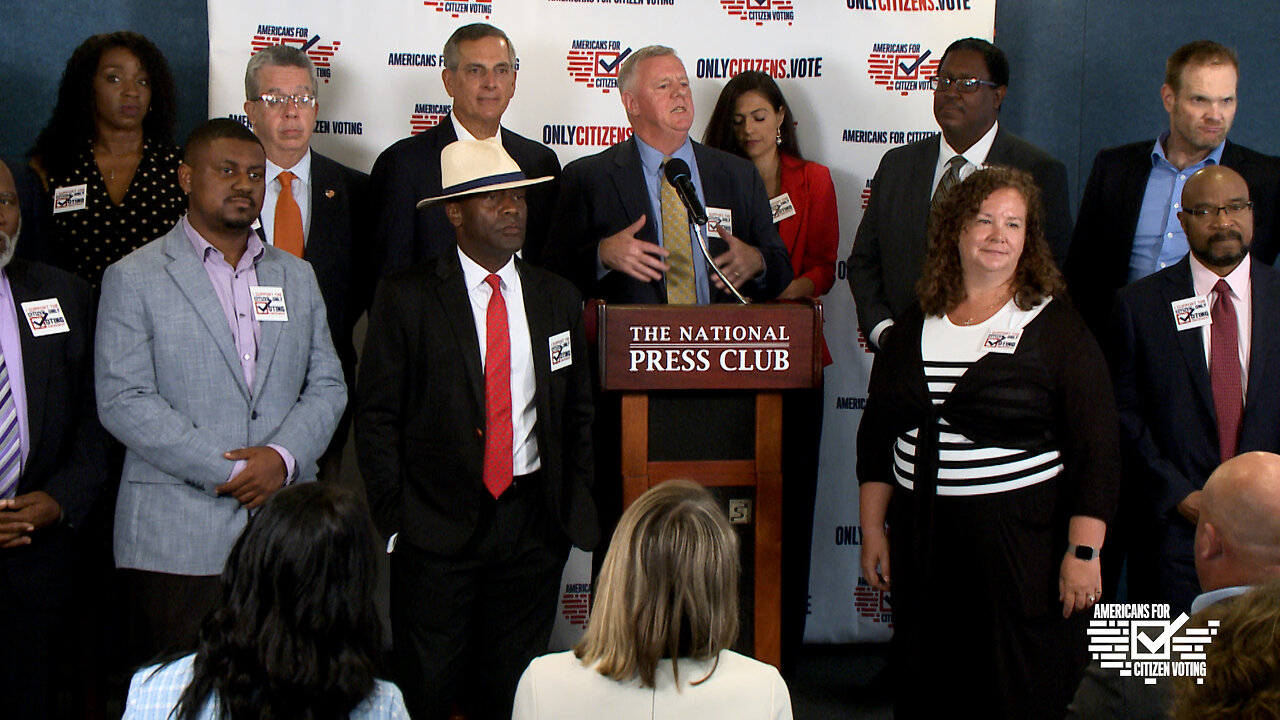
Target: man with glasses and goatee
{"points": [[888, 251]]}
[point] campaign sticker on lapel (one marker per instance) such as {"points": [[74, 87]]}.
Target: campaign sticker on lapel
{"points": [[1002, 341], [268, 303], [70, 198], [45, 317], [1192, 312], [561, 351], [717, 217], [781, 207]]}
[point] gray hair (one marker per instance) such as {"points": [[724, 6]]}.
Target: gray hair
{"points": [[276, 56], [469, 33], [627, 73]]}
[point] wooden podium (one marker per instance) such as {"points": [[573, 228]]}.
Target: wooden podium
{"points": [[702, 399]]}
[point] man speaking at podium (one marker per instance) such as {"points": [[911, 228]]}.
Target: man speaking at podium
{"points": [[620, 230]]}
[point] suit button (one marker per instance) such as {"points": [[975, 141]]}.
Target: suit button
{"points": [[479, 433], [253, 415]]}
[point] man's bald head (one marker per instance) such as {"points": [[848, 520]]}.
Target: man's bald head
{"points": [[1238, 536], [1217, 217], [10, 215]]}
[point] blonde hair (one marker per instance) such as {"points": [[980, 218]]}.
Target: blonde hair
{"points": [[1242, 664], [668, 587]]}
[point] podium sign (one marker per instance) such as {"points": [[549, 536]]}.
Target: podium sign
{"points": [[702, 399], [750, 347]]}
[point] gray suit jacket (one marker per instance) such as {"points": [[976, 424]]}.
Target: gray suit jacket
{"points": [[888, 251], [170, 387]]}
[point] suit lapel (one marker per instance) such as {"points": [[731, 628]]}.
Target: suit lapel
{"points": [[1262, 336], [537, 310], [456, 301], [271, 273], [920, 194], [628, 181], [1137, 171], [193, 282], [36, 356], [1178, 286], [324, 207]]}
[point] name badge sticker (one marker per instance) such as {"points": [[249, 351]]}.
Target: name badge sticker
{"points": [[1192, 312], [45, 317], [561, 351], [70, 198], [1004, 342], [781, 207], [268, 303], [717, 217]]}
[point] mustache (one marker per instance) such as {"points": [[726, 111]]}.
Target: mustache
{"points": [[1222, 235]]}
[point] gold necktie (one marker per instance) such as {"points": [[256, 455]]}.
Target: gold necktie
{"points": [[681, 289]]}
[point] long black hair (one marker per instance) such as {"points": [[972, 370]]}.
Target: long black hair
{"points": [[720, 135], [296, 632], [72, 123]]}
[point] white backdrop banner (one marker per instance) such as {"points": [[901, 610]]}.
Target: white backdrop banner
{"points": [[855, 73]]}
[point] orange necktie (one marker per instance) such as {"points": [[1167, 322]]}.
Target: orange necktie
{"points": [[288, 229]]}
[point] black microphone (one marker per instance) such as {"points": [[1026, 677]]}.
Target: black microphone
{"points": [[677, 172]]}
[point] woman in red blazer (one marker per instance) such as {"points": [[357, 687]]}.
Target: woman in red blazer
{"points": [[752, 119]]}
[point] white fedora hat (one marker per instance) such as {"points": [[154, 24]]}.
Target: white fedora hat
{"points": [[468, 167]]}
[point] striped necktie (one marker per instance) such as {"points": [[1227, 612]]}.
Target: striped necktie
{"points": [[10, 438], [949, 180]]}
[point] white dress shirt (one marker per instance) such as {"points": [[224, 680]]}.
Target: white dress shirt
{"points": [[1203, 279], [524, 413], [301, 193]]}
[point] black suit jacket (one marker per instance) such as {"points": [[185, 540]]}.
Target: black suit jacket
{"points": [[409, 171], [66, 457], [1167, 418], [420, 413], [889, 248], [1098, 263], [604, 193]]}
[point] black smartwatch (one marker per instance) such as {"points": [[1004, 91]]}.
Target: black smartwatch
{"points": [[1083, 552]]}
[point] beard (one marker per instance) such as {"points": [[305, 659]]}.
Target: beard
{"points": [[10, 244], [1218, 252]]}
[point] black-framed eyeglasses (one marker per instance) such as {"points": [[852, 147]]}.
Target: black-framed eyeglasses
{"points": [[964, 85], [1231, 210], [279, 102]]}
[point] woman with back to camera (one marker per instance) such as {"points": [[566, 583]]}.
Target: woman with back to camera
{"points": [[752, 119], [296, 632], [990, 447], [665, 614], [106, 160]]}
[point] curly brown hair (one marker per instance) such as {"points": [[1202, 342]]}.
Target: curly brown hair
{"points": [[1242, 664], [941, 286]]}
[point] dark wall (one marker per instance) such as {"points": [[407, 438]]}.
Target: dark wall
{"points": [[1086, 75]]}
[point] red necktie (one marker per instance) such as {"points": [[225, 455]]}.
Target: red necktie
{"points": [[288, 227], [497, 392], [1224, 370]]}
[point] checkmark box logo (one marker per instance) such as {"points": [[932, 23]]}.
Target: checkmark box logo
{"points": [[905, 69], [1150, 639], [608, 62]]}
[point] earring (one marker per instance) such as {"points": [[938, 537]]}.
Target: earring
{"points": [[778, 137]]}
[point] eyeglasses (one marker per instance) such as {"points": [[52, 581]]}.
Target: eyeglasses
{"points": [[964, 85], [1231, 210], [279, 102]]}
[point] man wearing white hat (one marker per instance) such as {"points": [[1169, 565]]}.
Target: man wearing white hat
{"points": [[473, 432]]}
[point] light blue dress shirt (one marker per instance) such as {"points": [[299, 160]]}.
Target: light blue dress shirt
{"points": [[651, 164], [1159, 241]]}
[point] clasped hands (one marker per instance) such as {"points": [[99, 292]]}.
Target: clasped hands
{"points": [[264, 473]]}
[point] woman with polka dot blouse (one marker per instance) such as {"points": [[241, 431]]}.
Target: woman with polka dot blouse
{"points": [[106, 159]]}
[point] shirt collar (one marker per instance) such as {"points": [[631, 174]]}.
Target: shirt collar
{"points": [[1203, 279], [1204, 600], [252, 254], [651, 158], [1158, 157], [474, 275], [301, 171], [463, 133], [977, 153]]}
